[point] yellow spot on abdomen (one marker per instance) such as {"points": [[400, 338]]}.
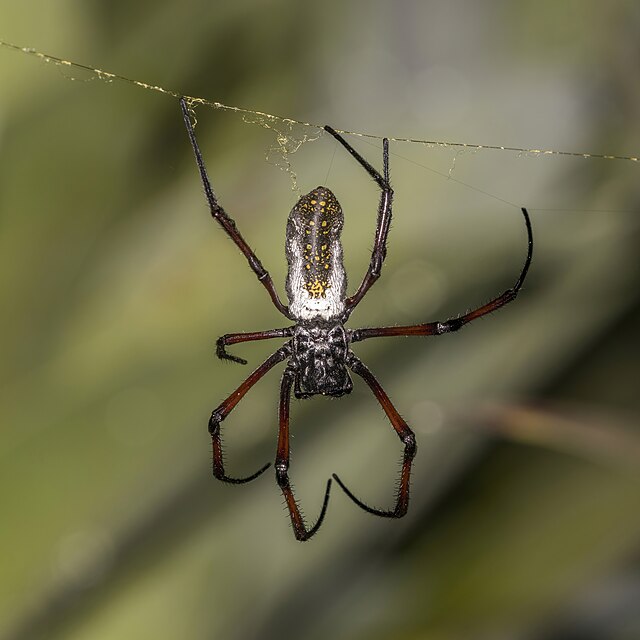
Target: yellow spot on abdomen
{"points": [[317, 288]]}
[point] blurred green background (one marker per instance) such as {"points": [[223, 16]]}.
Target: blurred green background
{"points": [[115, 283]]}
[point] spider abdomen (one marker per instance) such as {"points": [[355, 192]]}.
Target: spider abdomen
{"points": [[316, 280], [319, 356]]}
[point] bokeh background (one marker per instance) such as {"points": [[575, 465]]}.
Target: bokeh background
{"points": [[115, 283]]}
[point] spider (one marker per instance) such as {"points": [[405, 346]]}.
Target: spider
{"points": [[319, 347]]}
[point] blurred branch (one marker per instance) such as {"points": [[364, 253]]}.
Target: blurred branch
{"points": [[586, 433]]}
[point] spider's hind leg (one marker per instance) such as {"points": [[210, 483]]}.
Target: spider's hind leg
{"points": [[224, 409], [404, 433], [300, 529]]}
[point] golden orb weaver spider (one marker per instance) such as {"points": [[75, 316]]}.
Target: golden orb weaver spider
{"points": [[318, 350]]}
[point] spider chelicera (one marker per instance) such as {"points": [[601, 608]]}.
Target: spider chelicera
{"points": [[318, 350]]}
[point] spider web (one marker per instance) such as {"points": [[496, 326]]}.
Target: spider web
{"points": [[291, 134]]}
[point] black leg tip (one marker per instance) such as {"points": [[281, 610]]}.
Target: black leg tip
{"points": [[230, 480], [304, 534]]}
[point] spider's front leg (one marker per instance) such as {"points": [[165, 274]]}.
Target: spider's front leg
{"points": [[406, 436], [224, 409], [454, 324], [379, 251], [234, 338], [226, 222], [300, 529]]}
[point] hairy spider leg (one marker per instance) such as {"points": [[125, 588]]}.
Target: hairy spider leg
{"points": [[282, 465], [406, 436], [234, 338], [226, 222], [453, 324], [379, 251], [224, 409]]}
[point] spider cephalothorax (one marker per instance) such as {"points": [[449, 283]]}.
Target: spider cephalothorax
{"points": [[319, 355], [318, 350]]}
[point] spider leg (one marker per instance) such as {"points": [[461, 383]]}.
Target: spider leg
{"points": [[224, 409], [404, 433], [453, 324], [221, 216], [379, 251], [234, 338], [300, 529]]}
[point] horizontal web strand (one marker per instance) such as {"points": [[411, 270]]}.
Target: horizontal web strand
{"points": [[107, 76]]}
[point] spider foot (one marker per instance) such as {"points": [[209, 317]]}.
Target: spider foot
{"points": [[223, 354], [301, 532], [225, 478], [395, 513]]}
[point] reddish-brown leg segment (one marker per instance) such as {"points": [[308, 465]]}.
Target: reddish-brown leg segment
{"points": [[226, 222], [453, 324], [404, 433], [222, 411], [282, 466], [379, 251], [235, 338]]}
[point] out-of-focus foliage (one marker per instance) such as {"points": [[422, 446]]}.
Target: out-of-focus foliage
{"points": [[114, 284]]}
